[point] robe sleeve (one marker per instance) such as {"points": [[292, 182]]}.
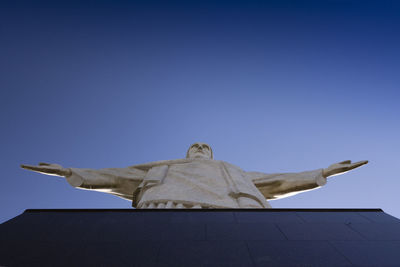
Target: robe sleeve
{"points": [[121, 182], [280, 185]]}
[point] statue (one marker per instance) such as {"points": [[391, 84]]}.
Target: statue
{"points": [[198, 181]]}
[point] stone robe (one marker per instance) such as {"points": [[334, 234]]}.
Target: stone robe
{"points": [[194, 183]]}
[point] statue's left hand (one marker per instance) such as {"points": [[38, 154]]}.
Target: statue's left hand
{"points": [[342, 167]]}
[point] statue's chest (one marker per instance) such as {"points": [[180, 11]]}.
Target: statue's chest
{"points": [[208, 173]]}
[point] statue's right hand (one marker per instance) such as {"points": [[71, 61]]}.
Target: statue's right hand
{"points": [[49, 169]]}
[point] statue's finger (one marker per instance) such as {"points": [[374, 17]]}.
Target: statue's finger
{"points": [[30, 167], [26, 166], [345, 162], [358, 164], [362, 162], [44, 164]]}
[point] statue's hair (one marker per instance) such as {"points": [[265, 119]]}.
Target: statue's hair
{"points": [[187, 153]]}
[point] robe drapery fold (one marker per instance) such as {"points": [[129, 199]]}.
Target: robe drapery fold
{"points": [[204, 182]]}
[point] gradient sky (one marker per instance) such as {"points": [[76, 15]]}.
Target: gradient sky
{"points": [[272, 86]]}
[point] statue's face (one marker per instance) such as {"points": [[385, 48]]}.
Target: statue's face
{"points": [[199, 151]]}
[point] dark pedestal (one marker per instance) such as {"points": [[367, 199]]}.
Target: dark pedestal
{"points": [[276, 237]]}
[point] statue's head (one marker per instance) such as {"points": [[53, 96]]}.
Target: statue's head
{"points": [[199, 151]]}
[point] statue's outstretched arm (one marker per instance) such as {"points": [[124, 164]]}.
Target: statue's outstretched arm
{"points": [[280, 185], [121, 182]]}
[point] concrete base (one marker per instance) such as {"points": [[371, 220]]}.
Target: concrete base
{"points": [[265, 237]]}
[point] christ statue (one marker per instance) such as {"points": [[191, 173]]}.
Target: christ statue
{"points": [[198, 181]]}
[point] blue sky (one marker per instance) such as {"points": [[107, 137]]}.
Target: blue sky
{"points": [[272, 86]]}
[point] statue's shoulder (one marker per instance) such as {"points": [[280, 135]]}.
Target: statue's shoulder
{"points": [[149, 165], [228, 165]]}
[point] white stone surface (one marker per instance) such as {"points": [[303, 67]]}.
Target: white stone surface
{"points": [[198, 181]]}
